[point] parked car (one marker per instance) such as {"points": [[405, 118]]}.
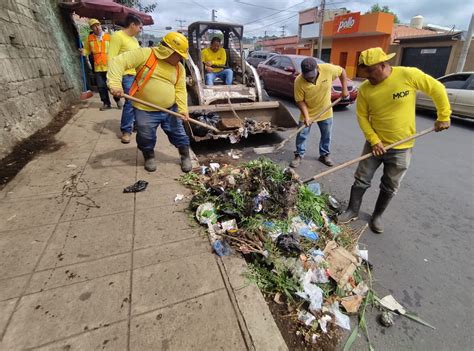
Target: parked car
{"points": [[278, 75], [256, 57], [460, 88]]}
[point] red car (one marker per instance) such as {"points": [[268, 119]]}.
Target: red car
{"points": [[279, 72]]}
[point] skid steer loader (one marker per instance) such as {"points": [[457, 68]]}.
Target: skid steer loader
{"points": [[239, 109]]}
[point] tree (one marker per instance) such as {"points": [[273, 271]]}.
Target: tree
{"points": [[138, 4], [377, 8]]}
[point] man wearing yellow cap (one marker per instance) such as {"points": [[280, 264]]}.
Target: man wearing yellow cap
{"points": [[98, 44], [120, 42], [386, 114], [161, 80]]}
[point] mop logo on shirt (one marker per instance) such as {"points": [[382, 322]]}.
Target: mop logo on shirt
{"points": [[400, 94]]}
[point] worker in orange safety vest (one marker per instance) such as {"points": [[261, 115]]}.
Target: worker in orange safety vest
{"points": [[97, 45]]}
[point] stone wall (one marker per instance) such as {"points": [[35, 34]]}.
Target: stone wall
{"points": [[39, 67]]}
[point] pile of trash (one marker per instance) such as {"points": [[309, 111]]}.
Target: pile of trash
{"points": [[298, 255], [236, 127]]}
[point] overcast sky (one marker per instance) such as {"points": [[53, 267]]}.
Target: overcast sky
{"points": [[258, 16]]}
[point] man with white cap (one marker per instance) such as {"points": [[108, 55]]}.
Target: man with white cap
{"points": [[386, 114], [312, 95], [161, 80]]}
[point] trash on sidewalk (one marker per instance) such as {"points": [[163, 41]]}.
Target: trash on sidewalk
{"points": [[297, 255], [137, 187], [341, 319], [178, 197], [342, 263], [323, 321], [206, 213], [386, 319], [352, 303], [391, 304], [306, 317]]}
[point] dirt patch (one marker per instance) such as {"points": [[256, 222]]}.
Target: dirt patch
{"points": [[294, 336], [41, 142]]}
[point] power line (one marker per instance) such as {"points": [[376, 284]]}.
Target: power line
{"points": [[267, 8], [266, 26], [274, 14]]}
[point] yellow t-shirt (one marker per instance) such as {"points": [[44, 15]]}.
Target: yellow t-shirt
{"points": [[120, 42], [317, 96], [163, 89], [386, 111], [216, 58]]}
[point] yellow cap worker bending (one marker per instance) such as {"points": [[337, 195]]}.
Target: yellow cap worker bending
{"points": [[386, 114], [161, 80]]}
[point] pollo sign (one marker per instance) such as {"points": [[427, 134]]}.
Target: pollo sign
{"points": [[346, 24]]}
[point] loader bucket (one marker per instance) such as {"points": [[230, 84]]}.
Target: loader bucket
{"points": [[237, 120]]}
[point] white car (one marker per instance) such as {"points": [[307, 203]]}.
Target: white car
{"points": [[460, 88]]}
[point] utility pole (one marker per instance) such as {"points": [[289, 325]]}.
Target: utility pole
{"points": [[283, 30], [181, 23], [321, 25], [465, 46], [265, 35], [214, 17]]}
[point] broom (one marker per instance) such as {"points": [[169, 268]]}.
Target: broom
{"points": [[86, 93]]}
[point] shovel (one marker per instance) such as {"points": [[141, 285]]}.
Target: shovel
{"points": [[271, 149], [175, 114], [363, 157]]}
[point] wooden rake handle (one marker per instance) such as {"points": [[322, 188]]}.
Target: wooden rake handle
{"points": [[363, 157], [175, 114], [315, 119]]}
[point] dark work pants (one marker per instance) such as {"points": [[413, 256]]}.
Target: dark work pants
{"points": [[101, 78]]}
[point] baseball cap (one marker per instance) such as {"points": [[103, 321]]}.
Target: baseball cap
{"points": [[308, 68], [373, 56], [93, 21]]}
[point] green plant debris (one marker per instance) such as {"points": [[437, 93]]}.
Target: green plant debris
{"points": [[264, 199]]}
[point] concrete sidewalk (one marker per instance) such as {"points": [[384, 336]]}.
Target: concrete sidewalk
{"points": [[85, 267]]}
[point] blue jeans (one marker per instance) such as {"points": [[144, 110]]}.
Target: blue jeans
{"points": [[128, 112], [148, 122], [324, 144], [226, 75]]}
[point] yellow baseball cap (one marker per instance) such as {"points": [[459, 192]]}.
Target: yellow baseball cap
{"points": [[373, 56], [93, 21]]}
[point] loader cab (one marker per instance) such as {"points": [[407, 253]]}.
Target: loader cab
{"points": [[245, 86], [200, 35]]}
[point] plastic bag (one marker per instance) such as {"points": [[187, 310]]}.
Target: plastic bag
{"points": [[341, 319], [311, 293], [209, 118]]}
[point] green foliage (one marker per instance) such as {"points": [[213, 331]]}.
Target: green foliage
{"points": [[377, 8], [267, 170], [138, 4], [310, 205], [272, 281]]}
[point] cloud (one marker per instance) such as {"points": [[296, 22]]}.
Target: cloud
{"points": [[260, 18]]}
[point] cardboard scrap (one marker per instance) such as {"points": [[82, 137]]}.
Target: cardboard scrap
{"points": [[342, 263], [391, 304], [361, 289], [352, 303]]}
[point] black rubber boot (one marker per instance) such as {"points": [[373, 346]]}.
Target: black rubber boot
{"points": [[352, 211], [150, 164], [186, 165], [380, 206]]}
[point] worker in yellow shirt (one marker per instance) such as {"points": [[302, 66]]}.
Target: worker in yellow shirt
{"points": [[386, 114], [214, 59], [312, 95], [120, 42], [161, 80], [98, 44]]}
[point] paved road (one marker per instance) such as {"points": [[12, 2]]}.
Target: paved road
{"points": [[424, 258]]}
